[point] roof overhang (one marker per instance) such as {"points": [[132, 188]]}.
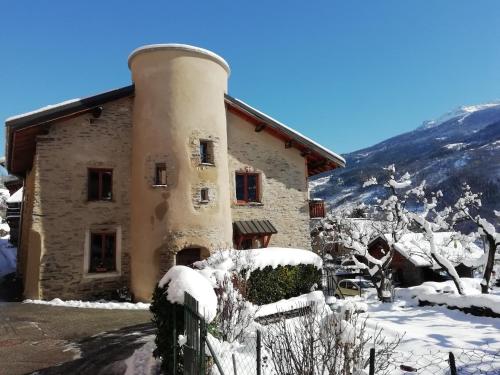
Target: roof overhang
{"points": [[319, 159], [22, 131]]}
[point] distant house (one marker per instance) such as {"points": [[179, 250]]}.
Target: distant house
{"points": [[121, 186], [412, 263]]}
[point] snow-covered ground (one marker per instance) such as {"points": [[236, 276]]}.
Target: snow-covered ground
{"points": [[434, 327], [107, 305]]}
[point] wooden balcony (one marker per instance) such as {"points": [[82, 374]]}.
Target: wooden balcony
{"points": [[317, 209]]}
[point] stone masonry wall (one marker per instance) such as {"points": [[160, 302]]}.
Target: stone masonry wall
{"points": [[284, 198], [64, 155]]}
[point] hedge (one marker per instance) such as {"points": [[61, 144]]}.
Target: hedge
{"points": [[273, 284]]}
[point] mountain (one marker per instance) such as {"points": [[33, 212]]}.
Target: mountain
{"points": [[461, 146]]}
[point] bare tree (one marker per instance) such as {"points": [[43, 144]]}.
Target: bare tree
{"points": [[391, 225], [321, 342], [466, 208]]}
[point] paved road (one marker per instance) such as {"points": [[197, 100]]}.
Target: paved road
{"points": [[85, 341]]}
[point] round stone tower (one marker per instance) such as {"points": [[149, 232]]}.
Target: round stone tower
{"points": [[180, 199]]}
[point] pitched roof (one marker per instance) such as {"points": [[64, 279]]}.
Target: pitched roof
{"points": [[23, 129]]}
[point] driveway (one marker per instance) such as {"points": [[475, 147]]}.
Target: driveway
{"points": [[65, 340]]}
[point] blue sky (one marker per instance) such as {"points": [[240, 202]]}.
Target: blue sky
{"points": [[346, 73]]}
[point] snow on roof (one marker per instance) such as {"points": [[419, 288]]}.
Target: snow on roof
{"points": [[416, 248], [42, 109], [182, 279], [17, 197], [184, 47], [300, 135]]}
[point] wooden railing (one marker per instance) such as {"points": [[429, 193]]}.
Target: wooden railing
{"points": [[316, 209]]}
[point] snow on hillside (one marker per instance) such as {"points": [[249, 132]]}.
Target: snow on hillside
{"points": [[461, 146], [459, 114]]}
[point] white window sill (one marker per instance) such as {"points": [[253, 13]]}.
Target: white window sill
{"points": [[101, 275], [158, 186], [204, 202], [208, 164], [248, 204]]}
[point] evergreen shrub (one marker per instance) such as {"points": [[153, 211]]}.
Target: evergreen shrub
{"points": [[169, 321], [273, 284]]}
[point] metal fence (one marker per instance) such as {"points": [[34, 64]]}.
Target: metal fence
{"points": [[461, 362], [239, 358], [248, 356]]}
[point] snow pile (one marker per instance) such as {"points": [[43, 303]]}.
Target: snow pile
{"points": [[293, 303], [443, 293], [181, 279], [350, 305], [91, 305], [142, 361], [17, 197], [277, 256], [8, 256]]}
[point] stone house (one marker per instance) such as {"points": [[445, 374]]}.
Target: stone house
{"points": [[120, 186]]}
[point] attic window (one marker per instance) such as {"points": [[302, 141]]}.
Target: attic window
{"points": [[206, 152], [161, 174], [204, 195]]}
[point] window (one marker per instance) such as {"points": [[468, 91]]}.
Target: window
{"points": [[100, 184], [206, 152], [161, 174], [204, 195], [247, 187], [102, 252]]}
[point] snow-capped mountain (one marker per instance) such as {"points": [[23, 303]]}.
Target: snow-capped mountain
{"points": [[461, 146]]}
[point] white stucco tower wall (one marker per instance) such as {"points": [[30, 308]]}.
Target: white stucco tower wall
{"points": [[179, 101]]}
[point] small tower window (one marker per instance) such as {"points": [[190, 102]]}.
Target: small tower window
{"points": [[206, 152], [204, 195], [161, 174]]}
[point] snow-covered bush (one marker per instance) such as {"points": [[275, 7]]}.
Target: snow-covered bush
{"points": [[235, 314], [270, 274], [168, 312]]}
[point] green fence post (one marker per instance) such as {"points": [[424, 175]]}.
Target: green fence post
{"points": [[372, 361], [259, 353], [453, 367]]}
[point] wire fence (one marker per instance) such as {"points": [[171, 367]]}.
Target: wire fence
{"points": [[248, 357], [237, 358], [462, 362]]}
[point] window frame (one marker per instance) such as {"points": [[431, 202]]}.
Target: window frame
{"points": [[158, 168], [204, 199], [100, 171], [245, 187], [103, 235], [209, 152]]}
